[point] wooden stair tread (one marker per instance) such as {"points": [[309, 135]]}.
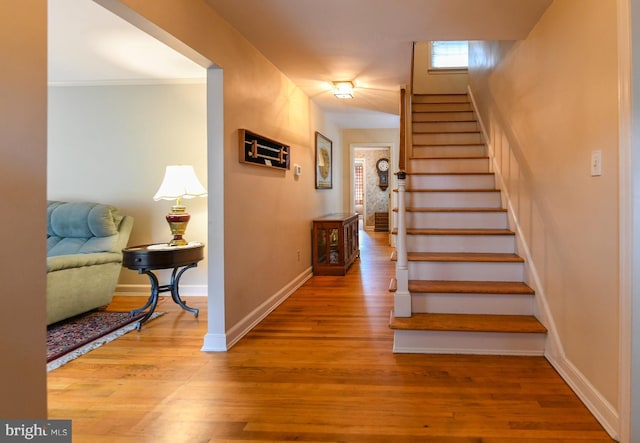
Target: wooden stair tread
{"points": [[414, 209], [471, 119], [432, 174], [527, 324], [484, 257], [469, 157], [452, 190], [452, 131], [446, 231], [443, 95], [441, 144], [443, 111], [436, 108], [470, 287]]}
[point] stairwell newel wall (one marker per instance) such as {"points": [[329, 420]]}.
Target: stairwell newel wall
{"points": [[545, 103]]}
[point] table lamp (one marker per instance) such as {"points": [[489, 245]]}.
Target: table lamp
{"points": [[179, 182]]}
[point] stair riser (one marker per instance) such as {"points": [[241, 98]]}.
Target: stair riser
{"points": [[471, 343], [449, 151], [457, 220], [440, 98], [444, 165], [441, 107], [461, 271], [445, 127], [460, 116], [450, 181], [459, 199], [461, 243], [502, 304], [447, 138]]}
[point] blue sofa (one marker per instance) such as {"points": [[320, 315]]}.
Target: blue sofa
{"points": [[84, 256]]}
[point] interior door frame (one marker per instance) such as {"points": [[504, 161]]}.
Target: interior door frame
{"points": [[391, 147]]}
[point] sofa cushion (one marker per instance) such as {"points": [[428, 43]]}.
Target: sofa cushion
{"points": [[78, 245], [81, 228], [82, 219], [62, 262]]}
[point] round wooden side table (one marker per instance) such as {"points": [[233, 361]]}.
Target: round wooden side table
{"points": [[147, 258]]}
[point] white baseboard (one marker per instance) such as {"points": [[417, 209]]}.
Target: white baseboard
{"points": [[215, 343], [602, 410], [223, 342], [240, 329], [186, 290]]}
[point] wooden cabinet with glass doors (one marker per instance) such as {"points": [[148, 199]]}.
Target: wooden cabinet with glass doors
{"points": [[335, 243]]}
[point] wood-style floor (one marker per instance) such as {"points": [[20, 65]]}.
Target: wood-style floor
{"points": [[318, 369]]}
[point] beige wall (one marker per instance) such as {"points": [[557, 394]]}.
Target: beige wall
{"points": [[111, 144], [23, 146], [434, 82], [267, 213], [546, 103]]}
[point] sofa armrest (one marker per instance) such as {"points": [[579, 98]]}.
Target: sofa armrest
{"points": [[60, 262], [124, 230]]}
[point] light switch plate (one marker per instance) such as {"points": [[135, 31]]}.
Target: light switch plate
{"points": [[596, 163]]}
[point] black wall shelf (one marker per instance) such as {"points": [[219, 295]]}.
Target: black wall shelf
{"points": [[262, 151]]}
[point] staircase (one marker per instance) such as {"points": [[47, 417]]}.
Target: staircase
{"points": [[466, 280]]}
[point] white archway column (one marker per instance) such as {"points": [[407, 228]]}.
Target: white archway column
{"points": [[216, 339]]}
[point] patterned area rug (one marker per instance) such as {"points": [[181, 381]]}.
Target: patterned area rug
{"points": [[69, 339]]}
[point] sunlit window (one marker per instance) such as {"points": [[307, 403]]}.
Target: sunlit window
{"points": [[449, 55]]}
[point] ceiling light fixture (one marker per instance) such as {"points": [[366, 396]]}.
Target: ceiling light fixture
{"points": [[343, 89]]}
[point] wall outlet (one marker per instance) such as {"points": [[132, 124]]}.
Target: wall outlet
{"points": [[596, 163], [298, 253]]}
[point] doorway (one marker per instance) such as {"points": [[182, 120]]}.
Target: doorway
{"points": [[200, 132], [370, 186]]}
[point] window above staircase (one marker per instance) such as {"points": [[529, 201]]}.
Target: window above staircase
{"points": [[449, 55]]}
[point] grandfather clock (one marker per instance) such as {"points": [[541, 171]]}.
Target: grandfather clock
{"points": [[382, 167]]}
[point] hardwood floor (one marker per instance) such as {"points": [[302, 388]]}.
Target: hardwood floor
{"points": [[318, 369]]}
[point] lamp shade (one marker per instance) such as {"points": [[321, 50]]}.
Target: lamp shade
{"points": [[180, 181]]}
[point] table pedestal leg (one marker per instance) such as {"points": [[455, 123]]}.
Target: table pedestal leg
{"points": [[175, 291], [152, 301], [156, 289]]}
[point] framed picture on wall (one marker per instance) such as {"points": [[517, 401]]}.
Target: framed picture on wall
{"points": [[324, 171]]}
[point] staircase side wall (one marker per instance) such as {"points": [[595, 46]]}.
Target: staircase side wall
{"points": [[545, 104]]}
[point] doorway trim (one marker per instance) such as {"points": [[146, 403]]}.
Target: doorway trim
{"points": [[216, 337], [629, 212], [391, 147]]}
